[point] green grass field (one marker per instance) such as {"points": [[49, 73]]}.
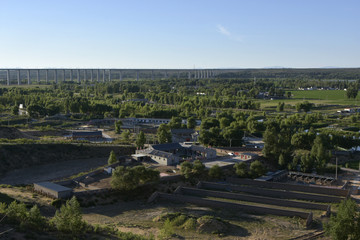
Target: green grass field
{"points": [[336, 95], [325, 97]]}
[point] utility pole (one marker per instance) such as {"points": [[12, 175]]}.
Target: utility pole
{"points": [[336, 170]]}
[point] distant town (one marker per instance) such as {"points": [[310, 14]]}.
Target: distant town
{"points": [[178, 153]]}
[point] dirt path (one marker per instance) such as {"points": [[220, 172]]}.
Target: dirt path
{"points": [[51, 171]]}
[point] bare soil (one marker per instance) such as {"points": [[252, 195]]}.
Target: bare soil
{"points": [[137, 217]]}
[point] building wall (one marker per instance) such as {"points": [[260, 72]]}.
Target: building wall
{"points": [[52, 193]]}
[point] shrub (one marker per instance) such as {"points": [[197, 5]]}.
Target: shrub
{"points": [[190, 224], [180, 220], [257, 169], [241, 169], [215, 172], [167, 230], [132, 236]]}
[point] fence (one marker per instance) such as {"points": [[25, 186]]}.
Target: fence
{"points": [[269, 193], [290, 187]]}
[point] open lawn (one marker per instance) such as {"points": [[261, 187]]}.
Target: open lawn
{"points": [[318, 97]]}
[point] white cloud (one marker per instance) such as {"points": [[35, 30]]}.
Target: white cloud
{"points": [[221, 29]]}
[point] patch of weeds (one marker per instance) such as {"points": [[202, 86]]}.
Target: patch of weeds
{"points": [[190, 224], [167, 230], [179, 220]]}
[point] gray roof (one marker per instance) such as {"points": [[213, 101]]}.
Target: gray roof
{"points": [[53, 186], [160, 153], [166, 146], [182, 131]]}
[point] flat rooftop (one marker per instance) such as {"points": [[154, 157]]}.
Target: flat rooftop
{"points": [[53, 186]]}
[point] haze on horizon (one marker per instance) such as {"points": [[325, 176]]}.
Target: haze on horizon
{"points": [[179, 34]]}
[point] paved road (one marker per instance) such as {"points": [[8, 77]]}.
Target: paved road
{"points": [[51, 171]]}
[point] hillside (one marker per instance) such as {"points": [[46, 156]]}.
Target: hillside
{"points": [[16, 156], [13, 133]]}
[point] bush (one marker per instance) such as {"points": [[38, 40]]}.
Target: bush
{"points": [[190, 224], [180, 220], [132, 236], [167, 230], [257, 169], [215, 172], [241, 169]]}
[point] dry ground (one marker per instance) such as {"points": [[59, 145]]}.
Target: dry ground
{"points": [[51, 171], [137, 217]]}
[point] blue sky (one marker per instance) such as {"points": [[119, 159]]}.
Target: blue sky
{"points": [[179, 33]]}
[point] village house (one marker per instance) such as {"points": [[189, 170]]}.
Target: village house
{"points": [[173, 153]]}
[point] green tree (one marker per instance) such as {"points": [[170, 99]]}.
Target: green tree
{"points": [[191, 123], [282, 161], [319, 152], [112, 158], [352, 90], [306, 106], [215, 172], [69, 218], [280, 107], [303, 140], [140, 140], [306, 162], [241, 169], [17, 211], [130, 178], [198, 168], [35, 220], [186, 169], [210, 122], [118, 125], [175, 123], [15, 110], [164, 134], [288, 94], [257, 169], [345, 225], [125, 135]]}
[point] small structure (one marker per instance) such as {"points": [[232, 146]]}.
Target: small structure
{"points": [[172, 153], [22, 110], [182, 135], [53, 190]]}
